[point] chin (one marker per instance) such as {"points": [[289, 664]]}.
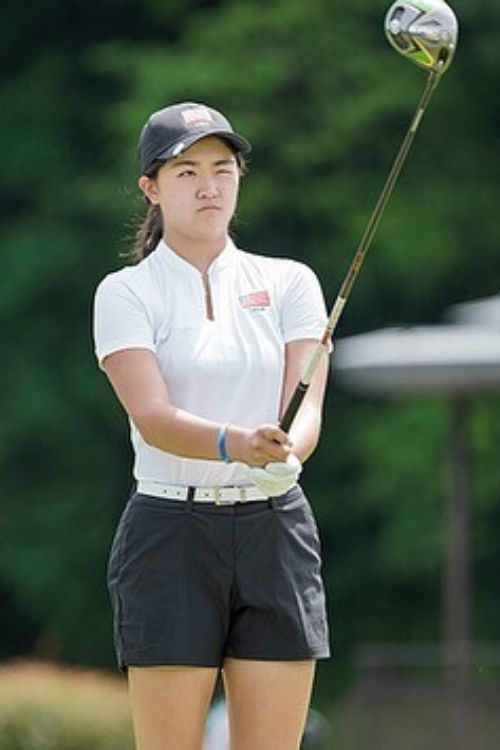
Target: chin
{"points": [[214, 228], [210, 234]]}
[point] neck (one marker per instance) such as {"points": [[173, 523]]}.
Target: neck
{"points": [[199, 253]]}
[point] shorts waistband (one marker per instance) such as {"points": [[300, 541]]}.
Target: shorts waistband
{"points": [[224, 495]]}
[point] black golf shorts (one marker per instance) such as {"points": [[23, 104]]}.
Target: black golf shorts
{"points": [[192, 583]]}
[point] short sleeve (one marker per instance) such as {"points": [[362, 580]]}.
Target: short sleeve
{"points": [[121, 320], [303, 311]]}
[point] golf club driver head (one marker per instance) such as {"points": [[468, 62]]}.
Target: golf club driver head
{"points": [[424, 31]]}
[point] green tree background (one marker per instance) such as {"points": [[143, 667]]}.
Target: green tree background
{"points": [[325, 102]]}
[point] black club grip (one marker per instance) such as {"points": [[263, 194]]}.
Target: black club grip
{"points": [[293, 406]]}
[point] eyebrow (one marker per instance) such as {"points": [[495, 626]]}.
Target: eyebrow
{"points": [[193, 163]]}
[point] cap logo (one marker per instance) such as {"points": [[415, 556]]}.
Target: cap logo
{"points": [[197, 116]]}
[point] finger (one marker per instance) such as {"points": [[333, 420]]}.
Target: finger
{"points": [[258, 460], [276, 435], [277, 453]]}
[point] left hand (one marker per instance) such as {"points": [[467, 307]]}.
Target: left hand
{"points": [[276, 478]]}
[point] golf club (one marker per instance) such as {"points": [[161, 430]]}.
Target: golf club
{"points": [[425, 32]]}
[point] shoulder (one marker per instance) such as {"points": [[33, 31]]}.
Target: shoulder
{"points": [[127, 281]]}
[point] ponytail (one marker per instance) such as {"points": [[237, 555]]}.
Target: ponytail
{"points": [[149, 234]]}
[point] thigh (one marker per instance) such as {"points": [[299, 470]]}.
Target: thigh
{"points": [[170, 706], [268, 702]]}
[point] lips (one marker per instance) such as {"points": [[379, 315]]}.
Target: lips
{"points": [[209, 207]]}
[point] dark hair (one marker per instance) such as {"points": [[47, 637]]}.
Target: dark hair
{"points": [[148, 235], [150, 227], [150, 230]]}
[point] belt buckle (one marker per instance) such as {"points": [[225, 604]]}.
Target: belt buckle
{"points": [[219, 500], [243, 494]]}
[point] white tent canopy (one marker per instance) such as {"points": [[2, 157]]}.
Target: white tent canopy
{"points": [[458, 361], [429, 359], [482, 312]]}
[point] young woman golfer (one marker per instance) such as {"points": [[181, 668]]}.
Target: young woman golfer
{"points": [[215, 564]]}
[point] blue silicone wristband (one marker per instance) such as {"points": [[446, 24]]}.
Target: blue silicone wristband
{"points": [[221, 444]]}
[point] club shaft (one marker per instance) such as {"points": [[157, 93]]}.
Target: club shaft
{"points": [[358, 260]]}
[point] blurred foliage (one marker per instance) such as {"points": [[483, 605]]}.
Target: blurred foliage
{"points": [[47, 708], [424, 716], [325, 102]]}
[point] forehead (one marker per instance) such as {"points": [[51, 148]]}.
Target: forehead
{"points": [[208, 148]]}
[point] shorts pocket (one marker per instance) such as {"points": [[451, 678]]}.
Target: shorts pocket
{"points": [[296, 513], [300, 551], [147, 557]]}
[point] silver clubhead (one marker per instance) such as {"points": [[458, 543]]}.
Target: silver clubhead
{"points": [[425, 31]]}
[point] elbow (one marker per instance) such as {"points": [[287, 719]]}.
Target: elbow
{"points": [[312, 436], [149, 428], [311, 446], [149, 437], [314, 428]]}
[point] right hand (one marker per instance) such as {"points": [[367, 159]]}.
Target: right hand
{"points": [[258, 447]]}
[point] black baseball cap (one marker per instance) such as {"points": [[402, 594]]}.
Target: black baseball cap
{"points": [[172, 130]]}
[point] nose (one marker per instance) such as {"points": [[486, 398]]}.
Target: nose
{"points": [[208, 188]]}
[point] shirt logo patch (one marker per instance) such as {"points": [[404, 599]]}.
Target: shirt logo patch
{"points": [[197, 116], [255, 300]]}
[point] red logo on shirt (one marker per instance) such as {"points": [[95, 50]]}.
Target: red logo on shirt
{"points": [[255, 299]]}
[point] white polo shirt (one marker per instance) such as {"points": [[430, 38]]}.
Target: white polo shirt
{"points": [[229, 369]]}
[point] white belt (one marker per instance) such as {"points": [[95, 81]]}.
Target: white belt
{"points": [[217, 495]]}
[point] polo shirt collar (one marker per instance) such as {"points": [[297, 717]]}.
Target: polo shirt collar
{"points": [[225, 258]]}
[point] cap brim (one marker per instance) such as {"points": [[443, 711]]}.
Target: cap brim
{"points": [[176, 149]]}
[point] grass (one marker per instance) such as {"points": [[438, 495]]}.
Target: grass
{"points": [[48, 707]]}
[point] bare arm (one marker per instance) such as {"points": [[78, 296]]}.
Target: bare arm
{"points": [[305, 430], [139, 385]]}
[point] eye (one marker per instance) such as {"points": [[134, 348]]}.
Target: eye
{"points": [[186, 173]]}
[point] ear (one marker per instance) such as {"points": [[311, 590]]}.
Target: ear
{"points": [[149, 188]]}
